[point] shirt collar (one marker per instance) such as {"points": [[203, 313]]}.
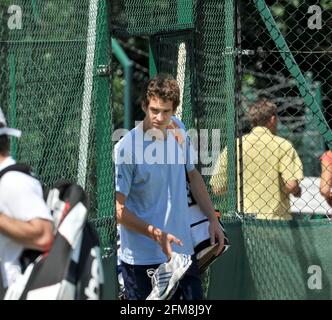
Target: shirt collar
{"points": [[260, 130], [149, 133]]}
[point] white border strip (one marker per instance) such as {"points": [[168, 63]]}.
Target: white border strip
{"points": [[88, 83]]}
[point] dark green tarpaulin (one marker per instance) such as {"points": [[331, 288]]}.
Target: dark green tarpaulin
{"points": [[275, 260]]}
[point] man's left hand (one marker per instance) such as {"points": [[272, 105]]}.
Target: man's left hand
{"points": [[216, 234]]}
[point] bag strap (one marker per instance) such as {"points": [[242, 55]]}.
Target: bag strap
{"points": [[180, 139], [26, 169], [19, 167], [176, 131]]}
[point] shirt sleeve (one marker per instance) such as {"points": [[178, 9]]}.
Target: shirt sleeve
{"points": [[124, 169], [291, 167], [23, 197], [123, 178], [218, 180]]}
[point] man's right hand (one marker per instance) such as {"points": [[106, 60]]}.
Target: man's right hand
{"points": [[298, 192], [165, 240], [328, 199], [293, 187], [132, 222]]}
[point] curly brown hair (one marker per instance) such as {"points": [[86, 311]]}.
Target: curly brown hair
{"points": [[261, 112], [4, 143], [162, 86]]}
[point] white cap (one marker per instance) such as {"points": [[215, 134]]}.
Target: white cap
{"points": [[2, 117], [8, 131]]}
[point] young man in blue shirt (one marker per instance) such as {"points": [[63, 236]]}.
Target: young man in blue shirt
{"points": [[151, 195]]}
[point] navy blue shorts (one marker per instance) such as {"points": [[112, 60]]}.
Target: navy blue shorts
{"points": [[138, 283]]}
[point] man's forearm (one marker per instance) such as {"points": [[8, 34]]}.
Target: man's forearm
{"points": [[31, 234], [133, 223]]}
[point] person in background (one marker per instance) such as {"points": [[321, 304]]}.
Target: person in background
{"points": [[25, 221], [326, 176], [272, 168]]}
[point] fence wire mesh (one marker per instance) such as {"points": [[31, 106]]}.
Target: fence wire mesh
{"points": [[286, 62], [269, 71], [187, 42], [232, 54], [49, 88], [225, 59]]}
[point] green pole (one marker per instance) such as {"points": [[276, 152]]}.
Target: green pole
{"points": [[230, 104], [35, 11], [128, 72], [12, 111], [104, 147], [295, 71], [128, 116], [318, 96], [104, 163], [152, 59], [318, 93]]}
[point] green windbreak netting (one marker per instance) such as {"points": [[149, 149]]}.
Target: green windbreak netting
{"points": [[203, 65], [174, 55], [50, 88], [215, 92], [285, 58], [150, 17], [275, 260], [226, 55]]}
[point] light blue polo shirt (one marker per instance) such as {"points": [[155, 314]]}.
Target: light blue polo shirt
{"points": [[151, 174]]}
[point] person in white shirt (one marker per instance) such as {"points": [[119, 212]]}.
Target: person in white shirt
{"points": [[25, 221]]}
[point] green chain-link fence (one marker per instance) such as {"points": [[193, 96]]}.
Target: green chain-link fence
{"points": [[51, 53], [285, 58], [226, 55], [187, 41]]}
